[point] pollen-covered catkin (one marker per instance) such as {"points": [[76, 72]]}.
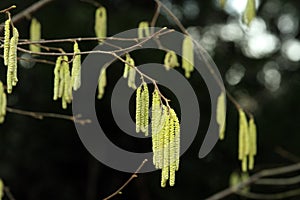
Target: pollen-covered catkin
{"points": [[145, 111], [143, 30], [187, 56], [67, 88], [57, 78], [2, 103], [12, 61], [76, 68], [221, 115], [155, 122], [102, 83], [132, 72], [138, 106], [6, 41], [243, 139], [35, 35], [101, 23], [126, 67], [170, 60], [1, 189], [250, 12], [252, 143]]}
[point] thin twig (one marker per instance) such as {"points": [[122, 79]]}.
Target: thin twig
{"points": [[134, 175], [42, 115], [8, 193], [33, 8], [8, 9]]}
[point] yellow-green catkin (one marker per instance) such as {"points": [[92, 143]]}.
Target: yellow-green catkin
{"points": [[171, 60], [145, 111], [6, 41], [1, 189], [127, 66], [187, 56], [222, 3], [249, 12], [67, 88], [142, 109], [131, 72], [12, 61], [221, 114], [138, 106], [156, 113], [3, 102], [57, 78], [102, 81], [143, 30], [252, 143], [243, 140], [76, 68], [35, 35], [101, 23]]}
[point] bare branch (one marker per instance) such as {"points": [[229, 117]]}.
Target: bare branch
{"points": [[134, 175]]}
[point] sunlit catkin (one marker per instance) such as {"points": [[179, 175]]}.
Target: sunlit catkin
{"points": [[131, 72], [1, 189], [222, 3], [12, 61], [138, 106], [250, 12], [243, 139], [221, 114], [76, 68], [170, 60], [56, 78], [6, 41], [156, 113], [252, 143], [143, 30], [145, 109], [126, 66], [35, 35], [102, 82], [2, 103], [67, 88], [187, 56], [101, 23]]}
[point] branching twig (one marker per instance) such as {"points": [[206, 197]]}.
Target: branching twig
{"points": [[42, 115], [134, 175], [33, 8]]}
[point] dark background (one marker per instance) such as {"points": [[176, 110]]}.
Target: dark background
{"points": [[46, 159]]}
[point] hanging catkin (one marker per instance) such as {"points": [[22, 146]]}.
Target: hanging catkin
{"points": [[67, 86], [2, 103], [250, 12], [170, 60], [252, 143], [35, 35], [187, 56], [76, 68], [12, 61], [6, 41], [1, 189], [222, 3], [142, 109], [101, 23], [102, 82], [130, 72], [243, 139], [156, 113], [57, 78], [143, 30], [221, 114]]}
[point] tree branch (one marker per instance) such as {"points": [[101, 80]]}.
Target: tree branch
{"points": [[42, 115], [134, 175]]}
